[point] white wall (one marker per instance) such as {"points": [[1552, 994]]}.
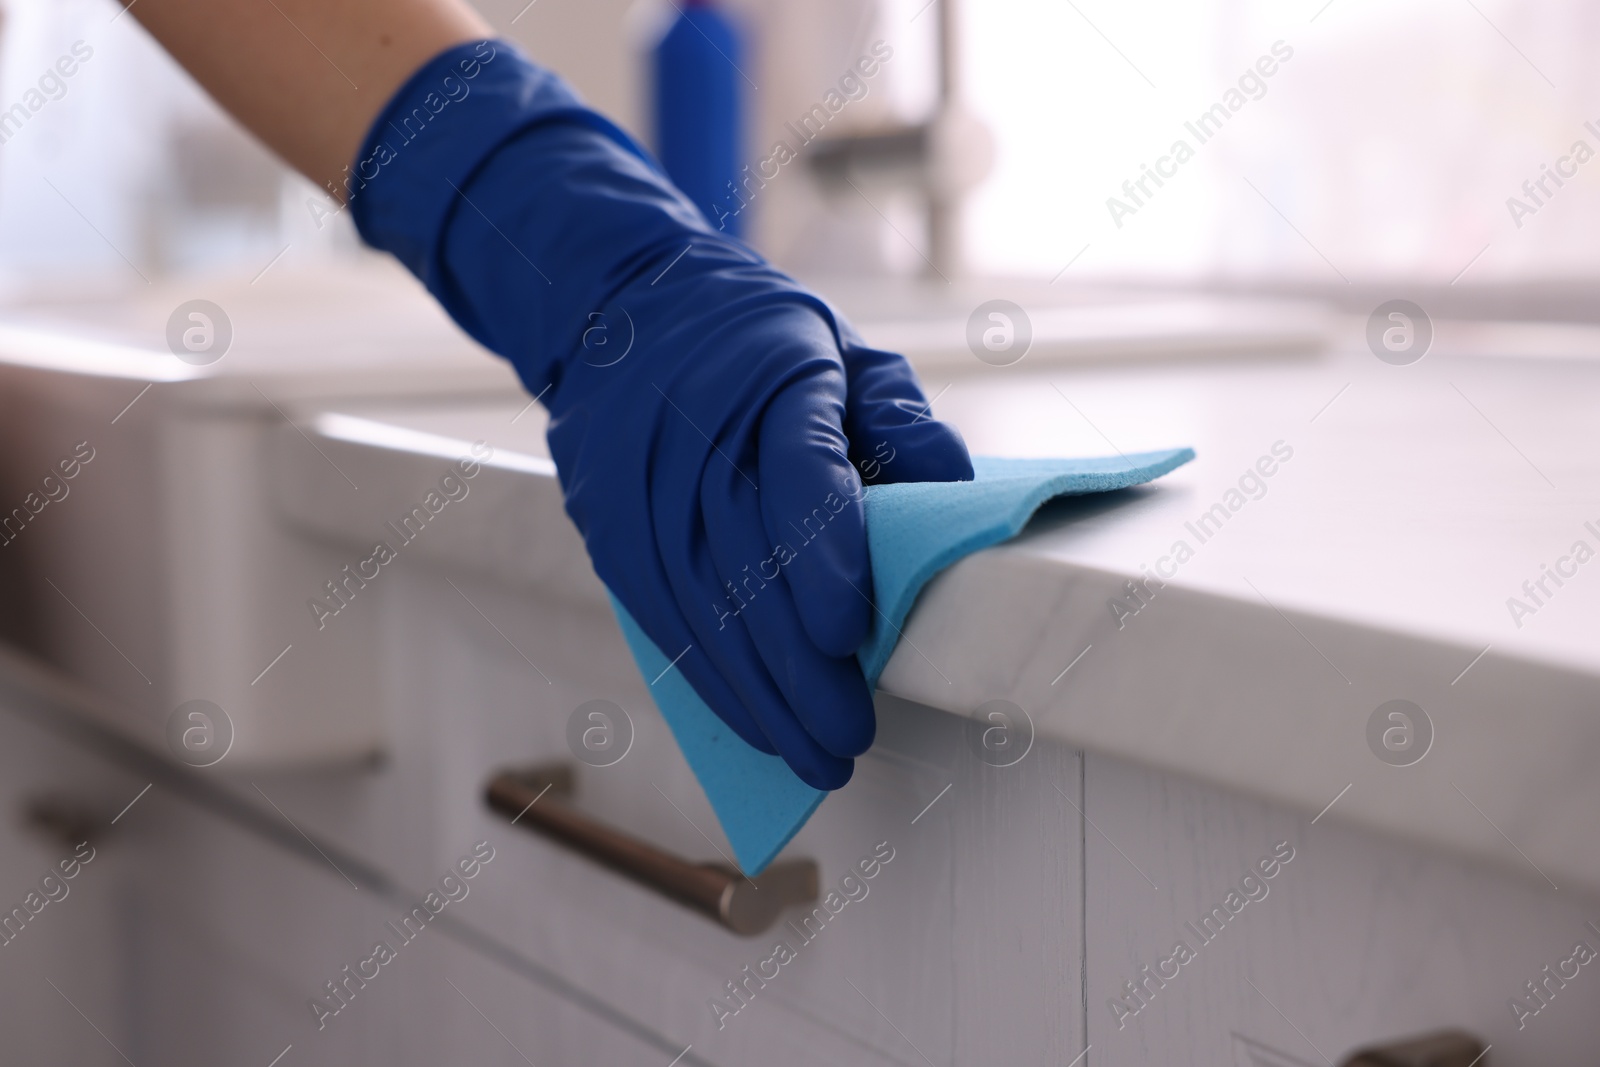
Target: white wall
{"points": [[1391, 140]]}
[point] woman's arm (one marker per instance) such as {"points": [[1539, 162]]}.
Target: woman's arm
{"points": [[307, 76], [712, 466]]}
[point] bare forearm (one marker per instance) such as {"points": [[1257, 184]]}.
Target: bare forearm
{"points": [[307, 76]]}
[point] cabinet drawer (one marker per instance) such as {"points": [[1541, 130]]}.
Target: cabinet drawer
{"points": [[984, 876], [1358, 938]]}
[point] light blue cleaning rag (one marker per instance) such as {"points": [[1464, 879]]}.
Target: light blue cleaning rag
{"points": [[914, 531]]}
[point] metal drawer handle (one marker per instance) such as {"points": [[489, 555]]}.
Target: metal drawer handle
{"points": [[1447, 1048], [715, 890]]}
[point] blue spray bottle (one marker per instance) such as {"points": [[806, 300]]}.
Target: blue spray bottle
{"points": [[699, 110]]}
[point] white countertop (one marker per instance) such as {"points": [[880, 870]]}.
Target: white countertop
{"points": [[365, 332], [1376, 566]]}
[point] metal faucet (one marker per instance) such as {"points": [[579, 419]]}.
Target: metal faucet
{"points": [[943, 157]]}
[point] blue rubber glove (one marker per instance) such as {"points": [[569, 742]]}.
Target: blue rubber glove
{"points": [[712, 421]]}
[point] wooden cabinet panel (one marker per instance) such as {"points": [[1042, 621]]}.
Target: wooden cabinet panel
{"points": [[1357, 938], [233, 939], [66, 953], [965, 945]]}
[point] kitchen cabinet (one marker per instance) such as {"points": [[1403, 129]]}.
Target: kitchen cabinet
{"points": [[1214, 728], [66, 958], [1359, 938]]}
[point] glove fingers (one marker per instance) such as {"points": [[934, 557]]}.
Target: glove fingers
{"points": [[893, 434], [735, 657], [827, 693], [810, 501], [636, 570], [665, 625], [702, 674], [722, 638]]}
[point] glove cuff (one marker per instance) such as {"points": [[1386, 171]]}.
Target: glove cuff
{"points": [[434, 133], [535, 221]]}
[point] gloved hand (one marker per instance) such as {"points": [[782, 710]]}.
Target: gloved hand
{"points": [[712, 422]]}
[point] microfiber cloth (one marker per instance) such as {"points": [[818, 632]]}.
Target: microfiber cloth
{"points": [[914, 531]]}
